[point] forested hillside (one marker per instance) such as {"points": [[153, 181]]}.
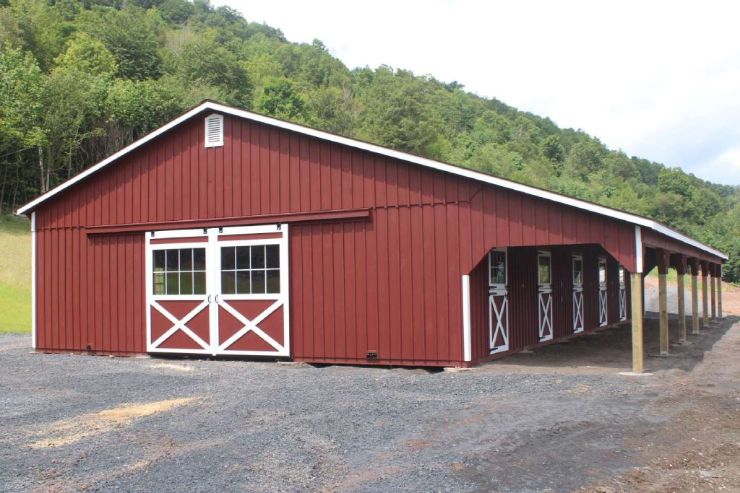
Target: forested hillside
{"points": [[81, 79]]}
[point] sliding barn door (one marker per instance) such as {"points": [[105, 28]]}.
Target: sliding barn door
{"points": [[252, 297], [178, 292], [218, 291]]}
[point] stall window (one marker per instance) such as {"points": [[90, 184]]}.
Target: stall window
{"points": [[602, 271], [543, 268], [578, 270], [497, 263]]}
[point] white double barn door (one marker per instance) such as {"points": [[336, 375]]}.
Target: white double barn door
{"points": [[218, 291]]}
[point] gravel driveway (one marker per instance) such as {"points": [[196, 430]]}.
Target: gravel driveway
{"points": [[76, 422]]}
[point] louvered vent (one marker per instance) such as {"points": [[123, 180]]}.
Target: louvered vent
{"points": [[214, 130]]}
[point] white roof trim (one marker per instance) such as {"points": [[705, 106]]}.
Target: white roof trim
{"points": [[448, 168]]}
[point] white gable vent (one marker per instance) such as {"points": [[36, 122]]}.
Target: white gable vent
{"points": [[214, 130]]}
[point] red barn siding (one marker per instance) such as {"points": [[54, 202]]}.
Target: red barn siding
{"points": [[391, 284]]}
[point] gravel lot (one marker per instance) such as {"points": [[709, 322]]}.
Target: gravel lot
{"points": [[559, 419]]}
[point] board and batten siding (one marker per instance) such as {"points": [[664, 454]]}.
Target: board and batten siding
{"points": [[389, 284]]}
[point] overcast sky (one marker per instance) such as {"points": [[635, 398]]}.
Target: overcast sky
{"points": [[660, 80]]}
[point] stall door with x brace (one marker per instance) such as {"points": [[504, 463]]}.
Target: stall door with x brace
{"points": [[218, 291]]}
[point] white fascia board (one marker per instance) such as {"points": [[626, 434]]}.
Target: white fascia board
{"points": [[375, 149]]}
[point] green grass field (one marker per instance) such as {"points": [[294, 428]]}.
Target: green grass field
{"points": [[15, 275]]}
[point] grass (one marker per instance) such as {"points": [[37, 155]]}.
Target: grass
{"points": [[15, 275]]}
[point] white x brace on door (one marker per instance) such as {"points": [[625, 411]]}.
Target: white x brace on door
{"points": [[218, 291]]}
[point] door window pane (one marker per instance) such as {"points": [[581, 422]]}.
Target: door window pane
{"points": [[228, 284], [159, 261], [498, 268], [173, 283], [543, 262], [173, 259], [228, 258], [243, 283], [199, 259], [577, 271], [258, 257], [242, 257], [159, 281], [258, 281], [199, 283], [273, 281], [273, 256], [186, 282], [186, 259]]}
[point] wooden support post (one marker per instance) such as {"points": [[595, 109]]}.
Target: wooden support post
{"points": [[694, 298], [719, 293], [663, 299], [713, 290], [704, 294], [638, 355], [680, 277]]}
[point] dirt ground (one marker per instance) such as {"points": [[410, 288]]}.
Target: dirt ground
{"points": [[560, 419]]}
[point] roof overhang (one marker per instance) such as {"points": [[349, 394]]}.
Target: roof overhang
{"points": [[376, 149]]}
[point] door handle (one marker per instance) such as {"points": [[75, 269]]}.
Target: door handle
{"points": [[216, 299], [209, 299]]}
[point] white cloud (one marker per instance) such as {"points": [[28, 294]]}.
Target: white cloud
{"points": [[656, 79]]}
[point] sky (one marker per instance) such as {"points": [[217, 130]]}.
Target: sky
{"points": [[659, 80]]}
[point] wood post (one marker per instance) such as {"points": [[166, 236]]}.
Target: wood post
{"points": [[719, 293], [704, 294], [638, 356], [694, 298], [680, 277], [713, 290], [663, 299]]}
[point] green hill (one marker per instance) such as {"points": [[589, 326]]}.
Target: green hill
{"points": [[15, 275], [81, 79]]}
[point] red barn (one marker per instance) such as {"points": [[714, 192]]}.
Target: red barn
{"points": [[230, 233]]}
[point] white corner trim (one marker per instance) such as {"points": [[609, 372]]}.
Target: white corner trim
{"points": [[467, 349], [33, 280], [638, 250], [429, 163]]}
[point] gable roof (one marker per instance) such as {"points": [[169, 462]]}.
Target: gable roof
{"points": [[429, 163]]}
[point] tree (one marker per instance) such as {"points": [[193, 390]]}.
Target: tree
{"points": [[553, 150], [280, 99], [206, 62], [86, 54], [131, 35]]}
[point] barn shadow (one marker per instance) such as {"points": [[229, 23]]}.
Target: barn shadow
{"points": [[610, 349]]}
